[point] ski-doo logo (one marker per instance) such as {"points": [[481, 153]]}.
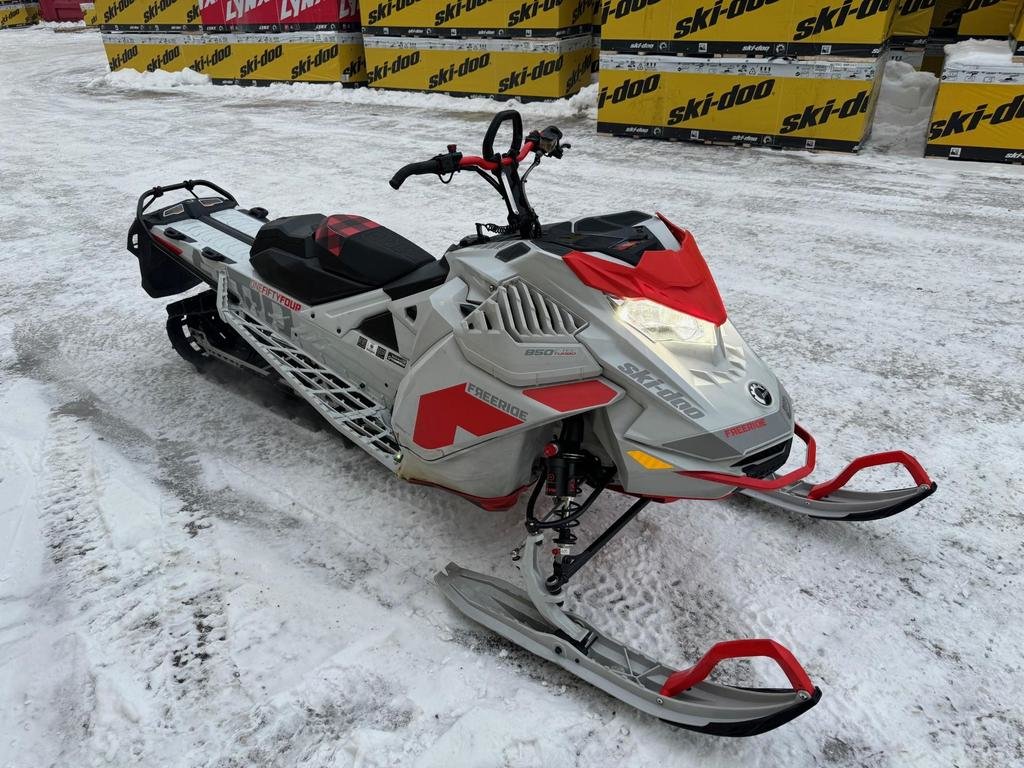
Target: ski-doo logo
{"points": [[830, 18], [629, 89], [400, 62], [623, 8], [280, 298], [154, 9], [355, 67], [707, 17], [236, 9], [814, 115], [910, 7], [527, 11], [736, 96], [115, 8], [262, 59], [118, 61], [452, 11], [468, 66], [964, 122], [166, 57], [383, 10], [308, 64], [657, 386], [520, 77], [215, 57]]}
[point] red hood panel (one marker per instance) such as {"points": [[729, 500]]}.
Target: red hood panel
{"points": [[678, 279]]}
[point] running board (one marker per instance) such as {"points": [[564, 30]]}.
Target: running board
{"points": [[348, 409], [682, 698]]}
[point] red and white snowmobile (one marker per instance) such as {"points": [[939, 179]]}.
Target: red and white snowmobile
{"points": [[529, 359]]}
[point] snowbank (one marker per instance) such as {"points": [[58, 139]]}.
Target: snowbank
{"points": [[979, 53], [903, 110], [582, 104], [130, 80]]}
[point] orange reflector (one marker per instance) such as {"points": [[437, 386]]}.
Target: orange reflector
{"points": [[647, 461]]}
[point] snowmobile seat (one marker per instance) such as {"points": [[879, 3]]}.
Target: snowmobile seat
{"points": [[318, 258]]}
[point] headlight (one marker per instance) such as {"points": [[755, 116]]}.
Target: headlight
{"points": [[662, 324]]}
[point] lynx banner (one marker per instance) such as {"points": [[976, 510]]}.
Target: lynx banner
{"points": [[856, 28], [809, 105], [148, 15], [979, 114], [478, 18], [306, 57], [987, 18], [530, 69]]}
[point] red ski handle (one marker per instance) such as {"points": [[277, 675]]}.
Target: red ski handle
{"points": [[685, 679], [912, 465]]}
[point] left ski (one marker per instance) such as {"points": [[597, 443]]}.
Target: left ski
{"points": [[627, 674]]}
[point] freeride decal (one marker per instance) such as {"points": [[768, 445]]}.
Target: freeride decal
{"points": [[439, 414]]}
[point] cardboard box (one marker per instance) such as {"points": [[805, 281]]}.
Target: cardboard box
{"points": [[912, 56], [946, 19], [18, 15], [855, 28], [293, 57], [911, 24], [1017, 33], [148, 15], [150, 52], [807, 105], [979, 114], [478, 18], [987, 18], [522, 69], [244, 59], [89, 15]]}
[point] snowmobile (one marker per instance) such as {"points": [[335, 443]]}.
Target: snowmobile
{"points": [[556, 360]]}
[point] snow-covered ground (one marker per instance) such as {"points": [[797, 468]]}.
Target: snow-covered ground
{"points": [[195, 572]]}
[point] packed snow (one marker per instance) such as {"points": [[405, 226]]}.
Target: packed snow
{"points": [[979, 53], [195, 571]]}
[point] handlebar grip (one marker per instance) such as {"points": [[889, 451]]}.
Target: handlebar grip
{"points": [[492, 131], [414, 169]]}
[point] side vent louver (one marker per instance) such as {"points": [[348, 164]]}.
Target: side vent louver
{"points": [[525, 314]]}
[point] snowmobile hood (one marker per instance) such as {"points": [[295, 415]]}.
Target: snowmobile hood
{"points": [[676, 278]]}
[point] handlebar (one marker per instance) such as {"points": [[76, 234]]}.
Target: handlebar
{"points": [[439, 165]]}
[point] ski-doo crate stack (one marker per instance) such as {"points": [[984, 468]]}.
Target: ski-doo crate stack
{"points": [[1017, 36], [538, 49], [255, 43], [987, 19], [797, 73], [910, 27], [979, 107], [14, 15]]}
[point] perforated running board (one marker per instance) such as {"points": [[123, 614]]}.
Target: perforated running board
{"points": [[349, 409]]}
